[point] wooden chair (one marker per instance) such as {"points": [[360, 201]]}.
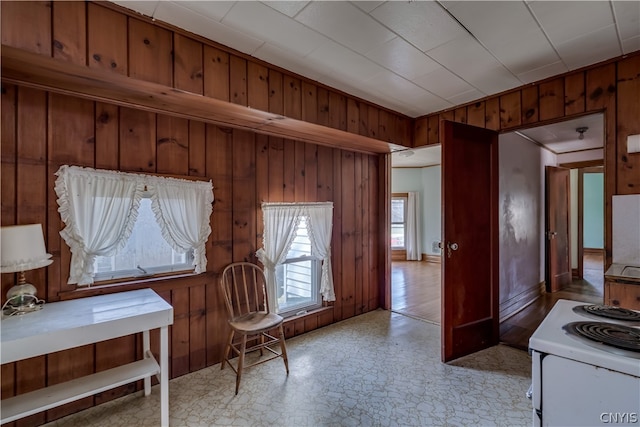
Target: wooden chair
{"points": [[245, 294]]}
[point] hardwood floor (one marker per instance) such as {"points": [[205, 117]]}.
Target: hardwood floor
{"points": [[415, 292]]}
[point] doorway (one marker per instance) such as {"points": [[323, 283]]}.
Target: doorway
{"points": [[557, 144]]}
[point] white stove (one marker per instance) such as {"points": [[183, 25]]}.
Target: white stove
{"points": [[577, 381]]}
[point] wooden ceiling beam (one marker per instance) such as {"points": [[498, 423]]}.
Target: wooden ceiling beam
{"points": [[25, 68]]}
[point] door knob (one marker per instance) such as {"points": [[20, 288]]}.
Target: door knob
{"points": [[451, 247]]}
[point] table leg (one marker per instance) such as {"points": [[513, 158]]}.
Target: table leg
{"points": [[164, 376], [146, 349]]}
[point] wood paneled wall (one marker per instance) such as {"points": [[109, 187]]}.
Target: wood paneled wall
{"points": [[42, 131], [612, 88]]}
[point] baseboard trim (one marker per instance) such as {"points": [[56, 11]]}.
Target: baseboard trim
{"points": [[593, 251], [574, 273], [521, 301], [432, 258]]}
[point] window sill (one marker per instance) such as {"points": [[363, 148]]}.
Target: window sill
{"points": [[158, 283]]}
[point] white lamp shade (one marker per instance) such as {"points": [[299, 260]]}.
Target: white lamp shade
{"points": [[22, 248]]}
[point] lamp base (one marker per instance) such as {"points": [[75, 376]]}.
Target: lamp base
{"points": [[21, 299]]}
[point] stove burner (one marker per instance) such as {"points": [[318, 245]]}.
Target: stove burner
{"points": [[609, 312], [619, 336]]}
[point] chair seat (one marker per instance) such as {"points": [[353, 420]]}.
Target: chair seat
{"points": [[255, 322]]}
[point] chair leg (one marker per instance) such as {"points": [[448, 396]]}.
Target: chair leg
{"points": [[243, 347], [283, 349], [225, 359]]}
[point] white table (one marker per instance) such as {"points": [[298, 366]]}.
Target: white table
{"points": [[67, 324]]}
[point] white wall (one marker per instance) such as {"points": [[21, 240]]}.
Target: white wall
{"points": [[522, 215], [426, 181]]}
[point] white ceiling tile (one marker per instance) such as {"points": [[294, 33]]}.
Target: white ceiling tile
{"points": [[367, 6], [265, 23], [143, 7], [337, 59], [403, 58], [443, 82], [627, 14], [493, 80], [393, 85], [590, 48], [199, 24], [543, 72], [464, 56], [566, 20], [465, 97], [215, 10], [289, 8], [484, 19], [345, 24], [525, 52], [631, 45], [422, 23]]}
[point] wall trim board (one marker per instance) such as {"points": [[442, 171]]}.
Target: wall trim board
{"points": [[437, 259], [521, 301], [24, 68]]}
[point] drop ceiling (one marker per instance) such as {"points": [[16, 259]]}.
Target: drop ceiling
{"points": [[414, 57]]}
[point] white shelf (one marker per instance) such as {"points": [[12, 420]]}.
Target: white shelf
{"points": [[36, 401]]}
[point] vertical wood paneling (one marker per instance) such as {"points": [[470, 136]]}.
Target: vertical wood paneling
{"points": [[574, 99], [375, 240], [373, 122], [197, 147], [311, 173], [150, 53], [276, 94], [180, 332], [137, 140], [353, 116], [289, 171], [385, 126], [35, 37], [243, 196], [359, 302], [530, 105], [216, 73], [363, 113], [336, 249], [432, 131], [475, 114], [258, 86], [237, 80], [262, 183], [420, 131], [109, 53], [323, 106], [71, 141], [367, 207], [510, 110], [172, 145], [107, 133], [300, 172], [337, 111], [188, 69], [551, 99], [309, 102], [31, 196], [69, 31], [292, 97], [197, 328], [110, 354], [628, 111], [492, 113], [460, 115]]}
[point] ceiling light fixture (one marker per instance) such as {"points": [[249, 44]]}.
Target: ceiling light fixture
{"points": [[581, 131], [407, 153]]}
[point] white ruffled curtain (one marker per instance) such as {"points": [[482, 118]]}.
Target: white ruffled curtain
{"points": [[281, 221], [414, 250], [100, 207]]}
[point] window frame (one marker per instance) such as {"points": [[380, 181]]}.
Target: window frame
{"points": [[405, 198]]}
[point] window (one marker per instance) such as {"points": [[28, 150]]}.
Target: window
{"points": [[398, 221], [296, 255], [298, 276], [146, 252], [121, 224]]}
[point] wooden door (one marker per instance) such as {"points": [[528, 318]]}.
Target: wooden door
{"points": [[558, 259], [470, 239]]}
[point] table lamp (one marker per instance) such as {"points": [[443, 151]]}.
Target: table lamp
{"points": [[22, 249]]}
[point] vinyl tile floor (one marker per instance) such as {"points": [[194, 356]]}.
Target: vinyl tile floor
{"points": [[377, 369]]}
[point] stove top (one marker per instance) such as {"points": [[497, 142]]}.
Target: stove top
{"points": [[551, 337], [608, 313], [607, 336]]}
